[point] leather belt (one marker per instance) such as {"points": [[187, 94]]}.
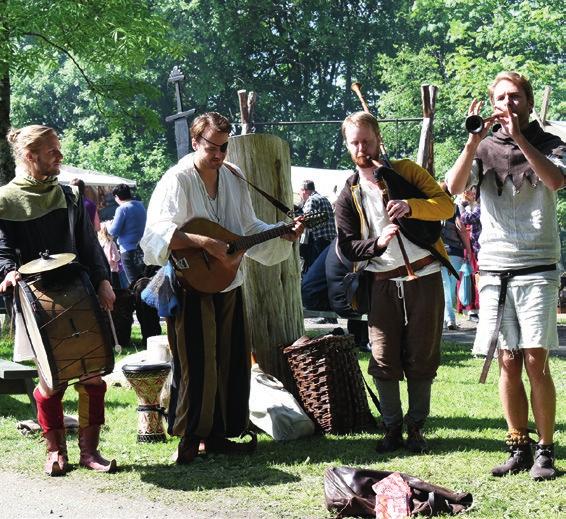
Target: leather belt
{"points": [[402, 271]]}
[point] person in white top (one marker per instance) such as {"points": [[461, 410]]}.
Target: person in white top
{"points": [[518, 170], [211, 351]]}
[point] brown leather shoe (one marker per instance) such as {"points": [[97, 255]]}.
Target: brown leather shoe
{"points": [[416, 441], [520, 459], [187, 450], [543, 466], [392, 439]]}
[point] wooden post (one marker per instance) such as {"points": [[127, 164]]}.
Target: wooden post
{"points": [[544, 104], [425, 155], [272, 295], [252, 99], [244, 113]]}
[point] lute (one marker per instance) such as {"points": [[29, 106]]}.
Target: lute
{"points": [[201, 272]]}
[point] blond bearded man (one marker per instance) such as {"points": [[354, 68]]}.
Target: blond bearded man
{"points": [[517, 170], [405, 317], [34, 217]]}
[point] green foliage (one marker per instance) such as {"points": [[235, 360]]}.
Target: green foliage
{"points": [[141, 160]]}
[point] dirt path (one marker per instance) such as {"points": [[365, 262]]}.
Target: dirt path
{"points": [[34, 497]]}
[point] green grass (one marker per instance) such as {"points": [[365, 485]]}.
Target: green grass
{"points": [[465, 432]]}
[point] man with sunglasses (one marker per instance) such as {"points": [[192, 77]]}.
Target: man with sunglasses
{"points": [[211, 351]]}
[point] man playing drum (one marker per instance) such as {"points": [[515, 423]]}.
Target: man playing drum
{"points": [[38, 214]]}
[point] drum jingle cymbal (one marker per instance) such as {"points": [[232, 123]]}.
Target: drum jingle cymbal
{"points": [[46, 262]]}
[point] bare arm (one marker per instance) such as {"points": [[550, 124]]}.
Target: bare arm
{"points": [[183, 240], [463, 233]]}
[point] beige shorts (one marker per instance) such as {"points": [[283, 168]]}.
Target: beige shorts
{"points": [[529, 316]]}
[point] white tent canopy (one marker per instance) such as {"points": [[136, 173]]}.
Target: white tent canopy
{"points": [[328, 182], [92, 178]]}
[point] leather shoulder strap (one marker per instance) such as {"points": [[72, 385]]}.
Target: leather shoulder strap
{"points": [[277, 203]]}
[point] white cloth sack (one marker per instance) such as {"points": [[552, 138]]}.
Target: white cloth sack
{"points": [[276, 411]]}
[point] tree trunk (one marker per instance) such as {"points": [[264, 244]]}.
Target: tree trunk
{"points": [[6, 161], [272, 295]]}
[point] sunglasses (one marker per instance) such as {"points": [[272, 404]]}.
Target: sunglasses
{"points": [[223, 148]]}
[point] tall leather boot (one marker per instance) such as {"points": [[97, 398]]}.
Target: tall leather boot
{"points": [[520, 454], [90, 457], [50, 418], [91, 418], [57, 460]]}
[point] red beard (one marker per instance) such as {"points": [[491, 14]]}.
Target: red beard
{"points": [[363, 161]]}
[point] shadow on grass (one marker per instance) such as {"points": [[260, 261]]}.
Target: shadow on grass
{"points": [[213, 472], [263, 468], [20, 410]]}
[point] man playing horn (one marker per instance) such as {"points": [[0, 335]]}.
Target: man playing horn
{"points": [[405, 317], [34, 217], [518, 169]]}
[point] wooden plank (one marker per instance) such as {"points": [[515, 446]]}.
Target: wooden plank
{"points": [[12, 370]]}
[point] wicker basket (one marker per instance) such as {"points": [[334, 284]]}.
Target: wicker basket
{"points": [[330, 383]]}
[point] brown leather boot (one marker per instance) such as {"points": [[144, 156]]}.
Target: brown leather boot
{"points": [[392, 439], [57, 461], [416, 441], [90, 457], [520, 454], [543, 466]]}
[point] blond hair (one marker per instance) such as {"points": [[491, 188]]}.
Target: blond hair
{"points": [[361, 119], [28, 138], [515, 78]]}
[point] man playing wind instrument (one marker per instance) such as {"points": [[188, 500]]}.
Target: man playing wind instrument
{"points": [[405, 315], [517, 170]]}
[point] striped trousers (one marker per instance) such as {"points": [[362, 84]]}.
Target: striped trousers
{"points": [[211, 366]]}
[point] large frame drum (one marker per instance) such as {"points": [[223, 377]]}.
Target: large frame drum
{"points": [[69, 334], [147, 380]]}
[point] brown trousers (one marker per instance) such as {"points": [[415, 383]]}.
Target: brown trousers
{"points": [[405, 328]]}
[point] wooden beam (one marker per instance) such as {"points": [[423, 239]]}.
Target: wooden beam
{"points": [[244, 113], [544, 104], [425, 155]]}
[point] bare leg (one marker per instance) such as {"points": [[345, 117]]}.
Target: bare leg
{"points": [[512, 390], [543, 393]]}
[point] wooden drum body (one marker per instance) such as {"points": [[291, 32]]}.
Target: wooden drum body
{"points": [[69, 334], [147, 381]]}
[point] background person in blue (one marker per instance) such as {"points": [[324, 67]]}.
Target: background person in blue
{"points": [[127, 227]]}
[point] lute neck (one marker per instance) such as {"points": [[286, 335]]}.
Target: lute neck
{"points": [[245, 242]]}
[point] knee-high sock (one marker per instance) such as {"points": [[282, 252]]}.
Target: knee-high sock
{"points": [[419, 400], [91, 404], [49, 410], [390, 400]]}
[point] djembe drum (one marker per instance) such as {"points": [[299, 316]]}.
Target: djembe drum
{"points": [[147, 380]]}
